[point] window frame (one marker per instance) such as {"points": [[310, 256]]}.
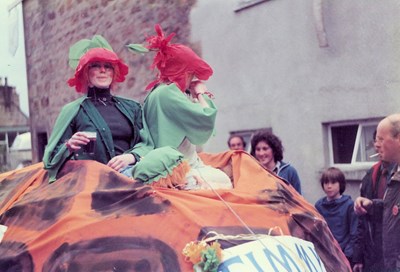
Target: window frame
{"points": [[244, 4], [354, 164]]}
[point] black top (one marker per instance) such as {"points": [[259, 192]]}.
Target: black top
{"points": [[121, 130]]}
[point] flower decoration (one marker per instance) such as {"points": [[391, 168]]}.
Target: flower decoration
{"points": [[159, 42], [205, 257], [174, 62]]}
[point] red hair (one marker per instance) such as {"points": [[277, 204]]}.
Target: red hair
{"points": [[81, 80], [175, 61]]}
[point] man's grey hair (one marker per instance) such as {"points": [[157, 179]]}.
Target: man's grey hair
{"points": [[395, 122]]}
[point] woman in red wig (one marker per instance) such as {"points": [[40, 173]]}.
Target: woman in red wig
{"points": [[114, 121], [178, 112]]}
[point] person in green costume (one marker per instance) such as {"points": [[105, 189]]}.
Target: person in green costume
{"points": [[116, 121], [178, 112]]}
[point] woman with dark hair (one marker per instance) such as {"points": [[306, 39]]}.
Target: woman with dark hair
{"points": [[109, 123], [268, 150]]}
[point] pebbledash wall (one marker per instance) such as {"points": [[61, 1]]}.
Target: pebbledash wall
{"points": [[296, 67], [52, 26], [274, 69]]}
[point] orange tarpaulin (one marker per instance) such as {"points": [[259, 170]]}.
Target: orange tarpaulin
{"points": [[95, 219]]}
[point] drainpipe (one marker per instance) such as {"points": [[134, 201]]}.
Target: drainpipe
{"points": [[319, 23], [7, 94]]}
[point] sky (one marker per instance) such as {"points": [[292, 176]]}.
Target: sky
{"points": [[13, 67]]}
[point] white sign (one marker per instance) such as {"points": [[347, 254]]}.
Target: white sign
{"points": [[2, 231], [273, 253]]}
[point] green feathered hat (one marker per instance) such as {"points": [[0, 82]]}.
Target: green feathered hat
{"points": [[80, 48]]}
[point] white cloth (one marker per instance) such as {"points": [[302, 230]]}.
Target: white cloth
{"points": [[211, 176]]}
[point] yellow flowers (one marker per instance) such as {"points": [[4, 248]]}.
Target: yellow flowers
{"points": [[204, 257]]}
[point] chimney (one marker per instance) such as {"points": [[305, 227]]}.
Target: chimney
{"points": [[7, 94]]}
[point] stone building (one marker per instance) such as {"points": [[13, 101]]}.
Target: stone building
{"points": [[12, 122], [52, 26], [320, 74]]}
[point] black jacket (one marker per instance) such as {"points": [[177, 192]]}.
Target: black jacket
{"points": [[391, 223], [368, 243]]}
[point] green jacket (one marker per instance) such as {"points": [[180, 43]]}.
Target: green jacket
{"points": [[169, 117], [83, 111]]}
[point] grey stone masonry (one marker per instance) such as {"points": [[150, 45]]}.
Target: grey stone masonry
{"points": [[52, 26]]}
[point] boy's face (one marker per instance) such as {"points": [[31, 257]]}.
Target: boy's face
{"points": [[332, 189]]}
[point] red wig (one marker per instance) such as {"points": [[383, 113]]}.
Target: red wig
{"points": [[80, 79], [175, 61]]}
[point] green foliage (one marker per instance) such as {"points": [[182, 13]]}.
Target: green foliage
{"points": [[137, 48], [78, 49], [210, 260]]}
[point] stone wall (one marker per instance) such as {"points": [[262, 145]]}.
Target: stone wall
{"points": [[11, 116], [12, 122], [52, 26]]}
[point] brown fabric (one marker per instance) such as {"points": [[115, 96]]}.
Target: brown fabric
{"points": [[95, 219], [382, 183]]}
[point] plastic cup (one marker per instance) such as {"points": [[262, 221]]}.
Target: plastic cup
{"points": [[90, 147]]}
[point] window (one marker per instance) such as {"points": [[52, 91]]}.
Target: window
{"points": [[352, 142], [8, 137], [41, 144], [243, 4], [11, 137]]}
